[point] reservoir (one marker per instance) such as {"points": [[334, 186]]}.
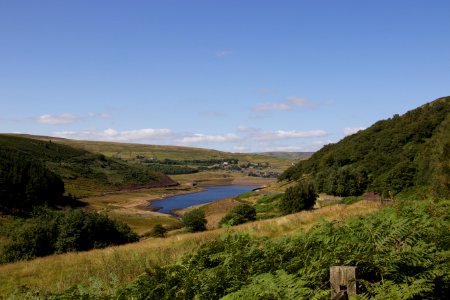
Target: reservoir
{"points": [[209, 194]]}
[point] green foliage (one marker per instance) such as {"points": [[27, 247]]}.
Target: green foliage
{"points": [[268, 206], [25, 183], [238, 215], [350, 200], [140, 175], [299, 197], [244, 195], [158, 231], [49, 232], [83, 173], [195, 220], [172, 169], [390, 156], [401, 252]]}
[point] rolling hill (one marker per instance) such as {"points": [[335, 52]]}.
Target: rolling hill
{"points": [[84, 173], [91, 168], [408, 152]]}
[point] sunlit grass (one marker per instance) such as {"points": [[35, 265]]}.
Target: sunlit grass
{"points": [[124, 263]]}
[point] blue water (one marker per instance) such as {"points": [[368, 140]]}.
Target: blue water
{"points": [[210, 194]]}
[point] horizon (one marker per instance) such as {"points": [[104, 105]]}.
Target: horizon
{"points": [[249, 77]]}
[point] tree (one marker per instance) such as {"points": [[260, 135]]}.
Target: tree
{"points": [[26, 183], [239, 214], [299, 197], [50, 231], [195, 220], [158, 231]]}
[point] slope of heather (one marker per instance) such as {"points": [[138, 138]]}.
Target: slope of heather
{"points": [[84, 173]]}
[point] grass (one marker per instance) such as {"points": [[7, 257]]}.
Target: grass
{"points": [[128, 207], [129, 151], [124, 263]]}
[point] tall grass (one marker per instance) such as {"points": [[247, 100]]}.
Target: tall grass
{"points": [[118, 265]]}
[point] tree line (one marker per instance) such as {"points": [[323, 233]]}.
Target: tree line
{"points": [[389, 157]]}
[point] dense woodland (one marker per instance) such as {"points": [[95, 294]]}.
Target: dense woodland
{"points": [[389, 157], [26, 183]]}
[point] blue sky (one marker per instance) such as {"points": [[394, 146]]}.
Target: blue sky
{"points": [[239, 76]]}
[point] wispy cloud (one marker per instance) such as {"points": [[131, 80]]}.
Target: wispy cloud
{"points": [[203, 138], [212, 114], [101, 115], [246, 128], [352, 130], [304, 147], [264, 91], [68, 118], [110, 134], [61, 119], [286, 105], [224, 53], [245, 138], [288, 134]]}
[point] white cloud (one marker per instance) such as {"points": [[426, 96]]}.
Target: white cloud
{"points": [[240, 148], [283, 134], [288, 104], [245, 139], [119, 136], [61, 119], [352, 130], [202, 138], [303, 147], [67, 118], [224, 53]]}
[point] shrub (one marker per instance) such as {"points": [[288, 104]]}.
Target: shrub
{"points": [[158, 231], [195, 220], [49, 232], [299, 197], [238, 215]]}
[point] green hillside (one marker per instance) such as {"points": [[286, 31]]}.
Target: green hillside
{"points": [[84, 173], [136, 152], [393, 155]]}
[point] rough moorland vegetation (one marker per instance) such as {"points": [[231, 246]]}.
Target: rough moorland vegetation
{"points": [[391, 156], [83, 173], [401, 252]]}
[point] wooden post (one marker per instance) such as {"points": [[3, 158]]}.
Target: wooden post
{"points": [[342, 279]]}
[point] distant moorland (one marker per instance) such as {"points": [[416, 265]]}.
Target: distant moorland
{"points": [[378, 200]]}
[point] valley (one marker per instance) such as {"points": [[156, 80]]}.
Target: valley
{"points": [[76, 222]]}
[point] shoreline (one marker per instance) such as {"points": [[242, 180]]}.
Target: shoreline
{"points": [[257, 182], [138, 202]]}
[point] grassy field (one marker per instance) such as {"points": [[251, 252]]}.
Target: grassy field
{"points": [[117, 265], [128, 152]]}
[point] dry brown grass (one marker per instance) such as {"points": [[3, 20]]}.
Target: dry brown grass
{"points": [[130, 207], [59, 272]]}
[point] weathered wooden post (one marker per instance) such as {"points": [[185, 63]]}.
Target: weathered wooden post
{"points": [[343, 282]]}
